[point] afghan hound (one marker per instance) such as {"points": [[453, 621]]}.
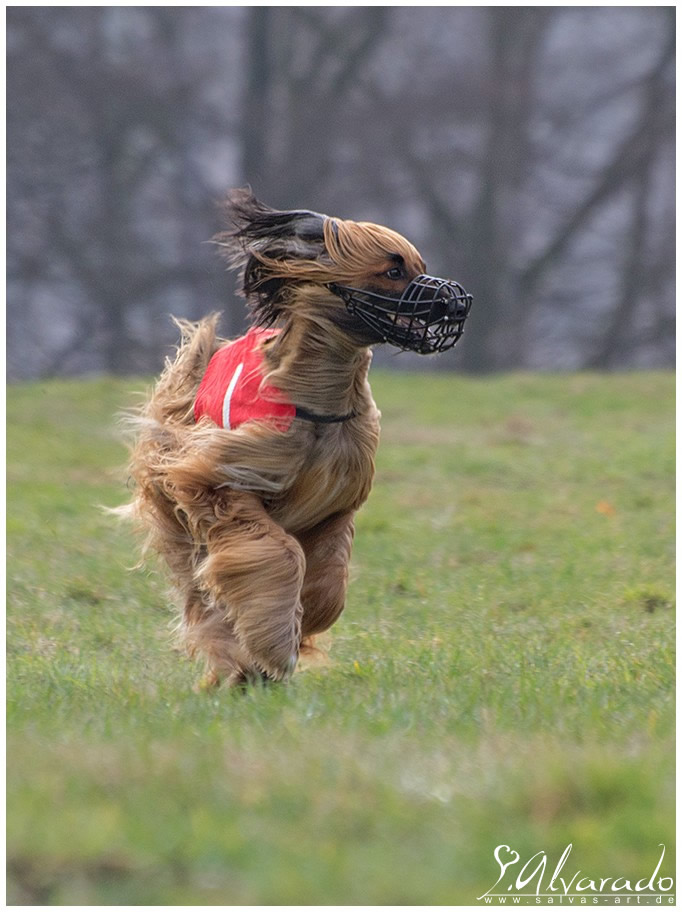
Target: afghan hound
{"points": [[251, 457]]}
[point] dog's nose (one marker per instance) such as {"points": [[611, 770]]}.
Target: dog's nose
{"points": [[456, 306], [459, 308]]}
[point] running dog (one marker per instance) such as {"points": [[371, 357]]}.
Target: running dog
{"points": [[251, 457]]}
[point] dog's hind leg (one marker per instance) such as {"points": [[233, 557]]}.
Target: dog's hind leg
{"points": [[254, 573], [327, 548]]}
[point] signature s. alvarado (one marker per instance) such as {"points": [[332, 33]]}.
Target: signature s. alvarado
{"points": [[529, 879]]}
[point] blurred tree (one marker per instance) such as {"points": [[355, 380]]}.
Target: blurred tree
{"points": [[528, 151], [302, 68], [101, 158], [255, 135], [652, 130], [491, 232]]}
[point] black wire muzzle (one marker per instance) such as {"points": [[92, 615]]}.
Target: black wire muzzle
{"points": [[428, 317]]}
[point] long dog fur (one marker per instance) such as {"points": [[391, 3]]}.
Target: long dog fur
{"points": [[255, 523]]}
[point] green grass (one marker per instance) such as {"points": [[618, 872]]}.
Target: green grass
{"points": [[503, 672]]}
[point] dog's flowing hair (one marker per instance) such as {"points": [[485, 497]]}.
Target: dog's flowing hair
{"points": [[256, 523]]}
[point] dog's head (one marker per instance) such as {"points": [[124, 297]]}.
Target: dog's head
{"points": [[373, 280]]}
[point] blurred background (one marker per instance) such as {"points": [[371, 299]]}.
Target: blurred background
{"points": [[528, 153]]}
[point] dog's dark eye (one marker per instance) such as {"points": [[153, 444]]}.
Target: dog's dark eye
{"points": [[395, 272]]}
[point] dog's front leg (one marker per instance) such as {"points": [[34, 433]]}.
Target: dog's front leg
{"points": [[207, 631], [254, 572], [327, 548]]}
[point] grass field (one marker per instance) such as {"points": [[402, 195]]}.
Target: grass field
{"points": [[503, 672]]}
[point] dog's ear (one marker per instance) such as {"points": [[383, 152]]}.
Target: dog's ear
{"points": [[257, 234]]}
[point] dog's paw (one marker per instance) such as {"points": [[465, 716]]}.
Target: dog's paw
{"points": [[243, 680], [209, 681]]}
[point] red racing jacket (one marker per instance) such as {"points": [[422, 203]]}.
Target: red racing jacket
{"points": [[230, 392]]}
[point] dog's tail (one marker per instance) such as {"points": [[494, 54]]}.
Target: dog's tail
{"points": [[172, 401], [159, 426]]}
